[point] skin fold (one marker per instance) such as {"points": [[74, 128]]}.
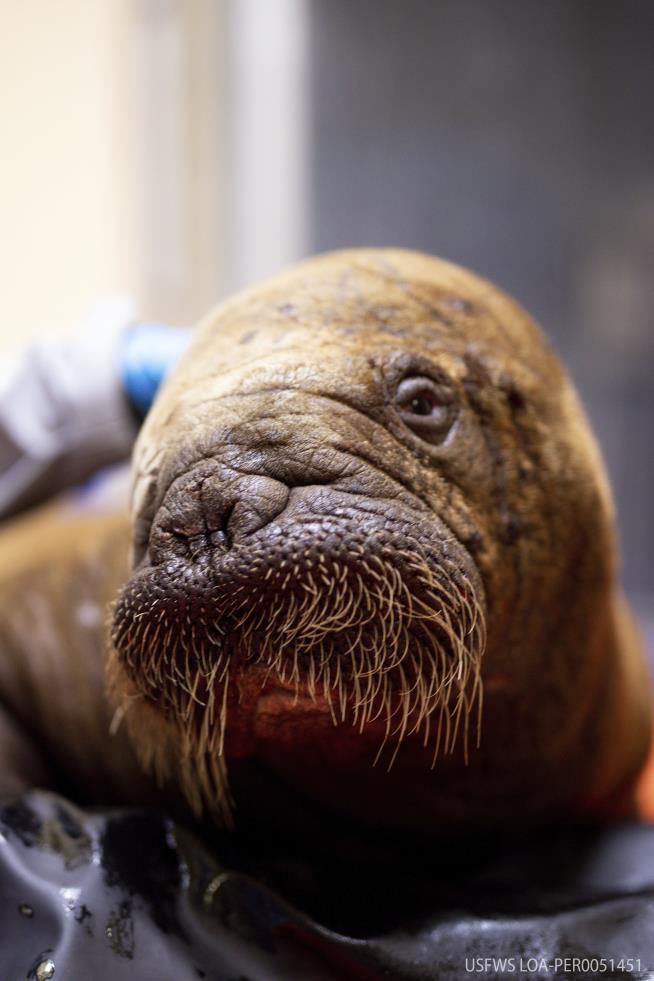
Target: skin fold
{"points": [[371, 576]]}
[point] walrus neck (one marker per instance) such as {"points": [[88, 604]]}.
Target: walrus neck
{"points": [[623, 720]]}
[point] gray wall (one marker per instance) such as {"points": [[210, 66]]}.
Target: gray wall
{"points": [[515, 137]]}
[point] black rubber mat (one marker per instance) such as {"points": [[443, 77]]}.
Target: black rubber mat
{"points": [[130, 895]]}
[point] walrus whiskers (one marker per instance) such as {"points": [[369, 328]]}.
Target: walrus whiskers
{"points": [[369, 652]]}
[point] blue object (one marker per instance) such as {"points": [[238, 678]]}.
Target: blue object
{"points": [[148, 352]]}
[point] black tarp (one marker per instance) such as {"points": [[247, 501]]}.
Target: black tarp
{"points": [[131, 895]]}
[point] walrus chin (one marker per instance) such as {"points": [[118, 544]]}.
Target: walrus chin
{"points": [[326, 611]]}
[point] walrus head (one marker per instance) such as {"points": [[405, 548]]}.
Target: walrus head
{"points": [[366, 496]]}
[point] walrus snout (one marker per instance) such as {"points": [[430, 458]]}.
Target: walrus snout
{"points": [[356, 609]]}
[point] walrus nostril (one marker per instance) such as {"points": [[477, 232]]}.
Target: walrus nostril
{"points": [[214, 511], [223, 533], [251, 503]]}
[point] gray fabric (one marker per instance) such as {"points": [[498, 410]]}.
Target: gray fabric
{"points": [[63, 413]]}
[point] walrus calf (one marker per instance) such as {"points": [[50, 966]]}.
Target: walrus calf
{"points": [[372, 569]]}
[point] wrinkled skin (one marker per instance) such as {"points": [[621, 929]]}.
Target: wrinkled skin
{"points": [[373, 563]]}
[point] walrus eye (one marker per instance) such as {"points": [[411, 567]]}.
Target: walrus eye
{"points": [[426, 407]]}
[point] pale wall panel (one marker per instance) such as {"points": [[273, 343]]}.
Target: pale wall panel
{"points": [[67, 159]]}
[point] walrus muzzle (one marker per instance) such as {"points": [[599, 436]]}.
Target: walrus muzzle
{"points": [[311, 574]]}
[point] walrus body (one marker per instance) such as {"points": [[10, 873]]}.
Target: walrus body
{"points": [[372, 573]]}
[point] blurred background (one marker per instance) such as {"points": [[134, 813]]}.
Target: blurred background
{"points": [[175, 150]]}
